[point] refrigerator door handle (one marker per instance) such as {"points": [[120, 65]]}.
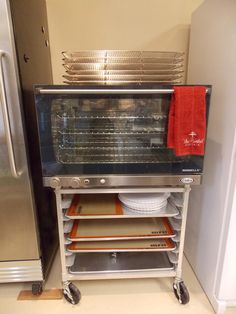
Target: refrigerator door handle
{"points": [[5, 113]]}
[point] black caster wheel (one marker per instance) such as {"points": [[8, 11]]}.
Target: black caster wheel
{"points": [[181, 292], [71, 293], [37, 288]]}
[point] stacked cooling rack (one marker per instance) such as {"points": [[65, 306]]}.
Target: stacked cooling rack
{"points": [[116, 67]]}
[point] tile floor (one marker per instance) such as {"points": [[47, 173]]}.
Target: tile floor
{"points": [[139, 296]]}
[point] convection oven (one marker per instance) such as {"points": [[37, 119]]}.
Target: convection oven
{"points": [[109, 136]]}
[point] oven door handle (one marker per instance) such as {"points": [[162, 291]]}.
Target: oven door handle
{"points": [[6, 119], [105, 91]]}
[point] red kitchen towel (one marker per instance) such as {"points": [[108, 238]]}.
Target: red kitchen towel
{"points": [[187, 120]]}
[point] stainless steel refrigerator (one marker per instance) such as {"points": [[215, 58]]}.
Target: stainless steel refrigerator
{"points": [[27, 215]]}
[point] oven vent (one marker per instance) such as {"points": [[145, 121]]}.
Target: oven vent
{"points": [[116, 67]]}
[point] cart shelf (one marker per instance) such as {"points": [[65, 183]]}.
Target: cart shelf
{"points": [[121, 229], [122, 246], [109, 206], [94, 263]]}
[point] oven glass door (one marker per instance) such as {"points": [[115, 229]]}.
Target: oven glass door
{"points": [[121, 133]]}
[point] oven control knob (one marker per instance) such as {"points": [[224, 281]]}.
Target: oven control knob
{"points": [[75, 182], [55, 183], [86, 181], [102, 181]]}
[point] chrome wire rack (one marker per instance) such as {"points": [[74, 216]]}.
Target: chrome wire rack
{"points": [[115, 67], [114, 131], [73, 156]]}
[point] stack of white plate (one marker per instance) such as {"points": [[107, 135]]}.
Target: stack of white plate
{"points": [[145, 203]]}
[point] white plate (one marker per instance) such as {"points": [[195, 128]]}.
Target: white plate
{"points": [[142, 211], [145, 207], [160, 213], [142, 203], [144, 197]]}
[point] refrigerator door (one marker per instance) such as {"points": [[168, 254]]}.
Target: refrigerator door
{"points": [[18, 230]]}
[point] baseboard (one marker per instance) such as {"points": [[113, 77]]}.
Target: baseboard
{"points": [[218, 305]]}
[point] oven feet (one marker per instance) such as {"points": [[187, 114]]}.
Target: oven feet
{"points": [[181, 291], [71, 292]]}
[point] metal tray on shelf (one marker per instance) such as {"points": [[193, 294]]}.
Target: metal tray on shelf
{"points": [[120, 229], [109, 206], [175, 223], [120, 262], [177, 199], [122, 246]]}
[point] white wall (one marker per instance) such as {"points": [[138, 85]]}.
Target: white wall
{"points": [[226, 283], [111, 24], [212, 61]]}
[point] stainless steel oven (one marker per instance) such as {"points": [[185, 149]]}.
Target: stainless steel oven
{"points": [[109, 136]]}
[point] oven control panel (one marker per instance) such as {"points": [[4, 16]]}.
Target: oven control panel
{"points": [[120, 181]]}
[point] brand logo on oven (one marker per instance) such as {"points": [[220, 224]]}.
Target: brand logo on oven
{"points": [[193, 140]]}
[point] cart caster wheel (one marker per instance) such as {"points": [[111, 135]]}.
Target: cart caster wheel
{"points": [[71, 293], [37, 288], [181, 292]]}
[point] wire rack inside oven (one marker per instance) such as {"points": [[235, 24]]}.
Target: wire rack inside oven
{"points": [[115, 67], [114, 130]]}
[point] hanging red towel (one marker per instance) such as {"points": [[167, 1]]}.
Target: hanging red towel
{"points": [[187, 120]]}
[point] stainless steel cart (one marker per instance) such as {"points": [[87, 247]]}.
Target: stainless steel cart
{"points": [[87, 266]]}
